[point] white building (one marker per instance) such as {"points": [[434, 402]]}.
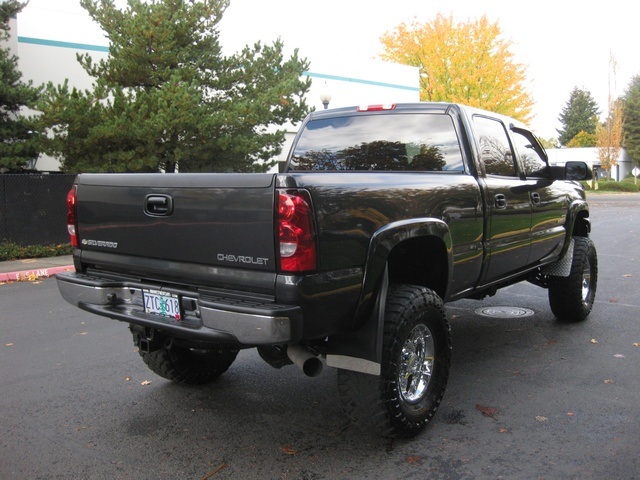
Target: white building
{"points": [[560, 156], [45, 59]]}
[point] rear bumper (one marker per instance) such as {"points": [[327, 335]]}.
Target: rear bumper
{"points": [[206, 317]]}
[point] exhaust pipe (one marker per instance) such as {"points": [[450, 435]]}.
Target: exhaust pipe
{"points": [[303, 358]]}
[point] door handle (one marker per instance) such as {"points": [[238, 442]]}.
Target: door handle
{"points": [[535, 198], [500, 201]]}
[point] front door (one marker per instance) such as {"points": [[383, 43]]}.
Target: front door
{"points": [[507, 202], [549, 203]]}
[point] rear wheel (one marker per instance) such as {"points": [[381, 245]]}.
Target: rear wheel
{"points": [[416, 358], [189, 366], [571, 298]]}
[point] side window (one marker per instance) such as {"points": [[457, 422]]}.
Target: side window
{"points": [[534, 164], [495, 149]]}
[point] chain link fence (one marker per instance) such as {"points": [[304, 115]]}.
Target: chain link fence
{"points": [[33, 208]]}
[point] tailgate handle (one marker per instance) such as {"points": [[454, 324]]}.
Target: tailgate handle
{"points": [[158, 205]]}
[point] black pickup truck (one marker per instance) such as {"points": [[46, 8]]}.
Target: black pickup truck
{"points": [[383, 214]]}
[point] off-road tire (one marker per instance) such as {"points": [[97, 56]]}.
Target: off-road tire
{"points": [[571, 298], [401, 401], [189, 366]]}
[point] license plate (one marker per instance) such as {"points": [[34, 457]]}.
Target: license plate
{"points": [[161, 303]]}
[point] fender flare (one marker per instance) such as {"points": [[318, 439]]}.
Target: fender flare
{"points": [[573, 212], [361, 350], [385, 239]]}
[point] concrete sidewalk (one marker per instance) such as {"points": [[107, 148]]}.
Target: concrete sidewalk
{"points": [[33, 268]]}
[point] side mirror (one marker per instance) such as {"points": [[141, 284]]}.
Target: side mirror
{"points": [[572, 171], [577, 171]]}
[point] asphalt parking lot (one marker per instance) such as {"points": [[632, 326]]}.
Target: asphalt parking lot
{"points": [[528, 397]]}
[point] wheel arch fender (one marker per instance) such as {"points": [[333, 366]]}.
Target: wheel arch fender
{"points": [[361, 350], [578, 223], [421, 232]]}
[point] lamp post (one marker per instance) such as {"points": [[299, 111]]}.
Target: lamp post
{"points": [[325, 96]]}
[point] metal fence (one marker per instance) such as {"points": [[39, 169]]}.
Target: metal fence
{"points": [[33, 208]]}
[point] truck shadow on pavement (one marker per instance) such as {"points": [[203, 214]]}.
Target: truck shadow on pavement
{"points": [[508, 379]]}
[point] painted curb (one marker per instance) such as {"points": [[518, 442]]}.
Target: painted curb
{"points": [[35, 274]]}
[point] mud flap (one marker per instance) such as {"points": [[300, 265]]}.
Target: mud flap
{"points": [[561, 268], [361, 350]]}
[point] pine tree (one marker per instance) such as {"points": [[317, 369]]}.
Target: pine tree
{"points": [[631, 120], [167, 98], [580, 114], [17, 137]]}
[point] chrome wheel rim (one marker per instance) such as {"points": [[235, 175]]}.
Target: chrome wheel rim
{"points": [[416, 364], [586, 282]]}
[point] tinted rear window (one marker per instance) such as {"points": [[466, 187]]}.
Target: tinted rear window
{"points": [[400, 142]]}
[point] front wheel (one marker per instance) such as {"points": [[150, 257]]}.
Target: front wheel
{"points": [[571, 298], [416, 358]]}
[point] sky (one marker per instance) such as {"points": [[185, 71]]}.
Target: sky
{"points": [[563, 43]]}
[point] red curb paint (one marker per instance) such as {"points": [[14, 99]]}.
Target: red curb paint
{"points": [[29, 275]]}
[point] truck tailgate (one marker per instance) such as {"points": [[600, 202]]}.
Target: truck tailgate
{"points": [[224, 220]]}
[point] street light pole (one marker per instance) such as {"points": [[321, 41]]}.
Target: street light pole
{"points": [[325, 96]]}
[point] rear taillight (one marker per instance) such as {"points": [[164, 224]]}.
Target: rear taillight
{"points": [[72, 222], [296, 232]]}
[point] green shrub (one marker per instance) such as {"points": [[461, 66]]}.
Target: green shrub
{"points": [[13, 251], [617, 187]]}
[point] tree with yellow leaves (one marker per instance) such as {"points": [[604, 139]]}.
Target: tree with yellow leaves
{"points": [[466, 62], [609, 137]]}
